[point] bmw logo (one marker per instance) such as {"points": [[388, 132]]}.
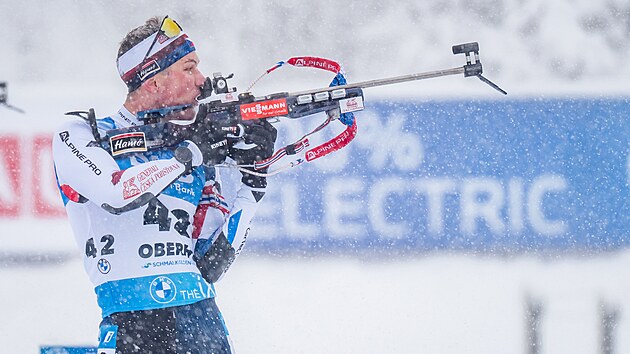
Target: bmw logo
{"points": [[103, 266], [163, 290]]}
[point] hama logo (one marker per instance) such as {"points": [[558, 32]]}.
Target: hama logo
{"points": [[103, 266], [129, 142], [163, 290], [265, 109], [147, 69]]}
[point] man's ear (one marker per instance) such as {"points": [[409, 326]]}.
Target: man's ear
{"points": [[152, 85], [158, 82]]}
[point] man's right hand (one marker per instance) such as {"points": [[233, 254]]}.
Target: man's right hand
{"points": [[211, 137]]}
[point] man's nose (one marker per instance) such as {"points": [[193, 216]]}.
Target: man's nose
{"points": [[199, 78]]}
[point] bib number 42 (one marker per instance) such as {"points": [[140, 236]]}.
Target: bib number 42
{"points": [[107, 242]]}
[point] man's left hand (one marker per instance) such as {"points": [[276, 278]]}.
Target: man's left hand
{"points": [[256, 145]]}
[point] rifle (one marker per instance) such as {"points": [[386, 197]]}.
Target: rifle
{"points": [[4, 94], [225, 117]]}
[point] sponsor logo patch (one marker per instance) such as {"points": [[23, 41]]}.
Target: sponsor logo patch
{"points": [[218, 144], [163, 290], [351, 104], [128, 142], [315, 62], [162, 38], [160, 249], [335, 144], [265, 109], [148, 69], [103, 266], [109, 336], [228, 97], [130, 189], [179, 262], [65, 137]]}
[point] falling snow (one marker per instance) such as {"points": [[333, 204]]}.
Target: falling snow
{"points": [[458, 220]]}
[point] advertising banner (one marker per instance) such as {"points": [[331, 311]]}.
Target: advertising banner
{"points": [[480, 176], [484, 176]]}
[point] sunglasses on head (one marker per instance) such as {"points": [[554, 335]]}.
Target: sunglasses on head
{"points": [[169, 28]]}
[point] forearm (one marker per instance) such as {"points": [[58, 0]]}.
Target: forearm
{"points": [[215, 253], [92, 173]]}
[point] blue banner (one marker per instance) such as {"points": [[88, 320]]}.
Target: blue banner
{"points": [[68, 350], [481, 176]]}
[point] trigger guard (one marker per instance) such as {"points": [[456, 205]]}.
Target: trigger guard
{"points": [[241, 132]]}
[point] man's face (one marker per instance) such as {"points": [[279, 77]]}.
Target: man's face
{"points": [[180, 84]]}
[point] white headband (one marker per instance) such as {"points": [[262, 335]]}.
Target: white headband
{"points": [[134, 66]]}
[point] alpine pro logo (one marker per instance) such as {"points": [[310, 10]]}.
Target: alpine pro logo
{"points": [[128, 142], [65, 137], [315, 62], [333, 145], [163, 290], [265, 109]]}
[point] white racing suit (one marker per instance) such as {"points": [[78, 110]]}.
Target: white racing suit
{"points": [[138, 219]]}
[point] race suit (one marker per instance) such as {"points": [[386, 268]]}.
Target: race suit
{"points": [[138, 218]]}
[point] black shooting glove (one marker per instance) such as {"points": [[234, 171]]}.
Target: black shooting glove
{"points": [[257, 144], [210, 133]]}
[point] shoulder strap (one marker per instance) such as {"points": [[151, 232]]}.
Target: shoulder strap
{"points": [[89, 117]]}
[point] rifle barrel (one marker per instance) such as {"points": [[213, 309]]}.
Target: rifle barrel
{"points": [[387, 81]]}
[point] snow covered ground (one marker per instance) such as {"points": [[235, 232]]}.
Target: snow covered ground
{"points": [[430, 304]]}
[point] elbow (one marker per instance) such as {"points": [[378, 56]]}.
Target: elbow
{"points": [[119, 208]]}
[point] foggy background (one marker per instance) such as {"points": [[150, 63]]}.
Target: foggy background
{"points": [[531, 47]]}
